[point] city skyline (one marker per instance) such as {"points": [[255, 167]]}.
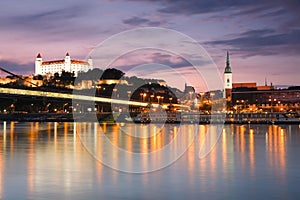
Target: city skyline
{"points": [[262, 36]]}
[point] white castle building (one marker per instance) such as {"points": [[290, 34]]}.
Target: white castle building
{"points": [[67, 64]]}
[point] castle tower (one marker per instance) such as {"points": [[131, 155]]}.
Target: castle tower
{"points": [[68, 62], [38, 64], [228, 79]]}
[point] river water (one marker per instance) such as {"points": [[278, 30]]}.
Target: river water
{"points": [[70, 161]]}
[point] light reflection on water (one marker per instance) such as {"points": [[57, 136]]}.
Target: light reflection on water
{"points": [[47, 161]]}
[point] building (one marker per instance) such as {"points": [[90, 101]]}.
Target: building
{"points": [[253, 97], [247, 85], [229, 86], [252, 85], [57, 66], [227, 79], [273, 96]]}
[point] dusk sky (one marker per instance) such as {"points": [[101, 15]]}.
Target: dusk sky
{"points": [[262, 36]]}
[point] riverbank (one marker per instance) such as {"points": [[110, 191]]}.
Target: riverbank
{"points": [[109, 118], [55, 117]]}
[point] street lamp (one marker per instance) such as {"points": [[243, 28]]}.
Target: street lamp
{"points": [[64, 106], [12, 107], [158, 97], [115, 90], [272, 101], [129, 93], [31, 108], [151, 97], [141, 94], [47, 107], [144, 96]]}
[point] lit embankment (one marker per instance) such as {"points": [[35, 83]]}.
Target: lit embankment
{"points": [[15, 91]]}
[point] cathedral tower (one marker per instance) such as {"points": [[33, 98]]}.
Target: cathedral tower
{"points": [[227, 79]]}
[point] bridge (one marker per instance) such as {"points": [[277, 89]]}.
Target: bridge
{"points": [[16, 91], [58, 95]]}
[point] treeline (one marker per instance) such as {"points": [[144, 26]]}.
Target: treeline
{"points": [[113, 74]]}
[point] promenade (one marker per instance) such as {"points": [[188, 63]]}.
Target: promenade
{"points": [[191, 118]]}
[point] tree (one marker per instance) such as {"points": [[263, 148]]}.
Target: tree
{"points": [[112, 73]]}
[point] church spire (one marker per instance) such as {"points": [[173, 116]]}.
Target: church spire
{"points": [[227, 68], [227, 60]]}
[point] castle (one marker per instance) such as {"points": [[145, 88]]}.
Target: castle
{"points": [[57, 66]]}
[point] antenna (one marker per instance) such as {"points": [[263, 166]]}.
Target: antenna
{"points": [[266, 81]]}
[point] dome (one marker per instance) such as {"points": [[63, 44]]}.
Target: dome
{"points": [[228, 69]]}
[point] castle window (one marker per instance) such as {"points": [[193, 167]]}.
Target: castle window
{"points": [[228, 81]]}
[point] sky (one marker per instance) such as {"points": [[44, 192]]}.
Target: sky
{"points": [[262, 36]]}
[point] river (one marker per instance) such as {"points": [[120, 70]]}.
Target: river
{"points": [[53, 160]]}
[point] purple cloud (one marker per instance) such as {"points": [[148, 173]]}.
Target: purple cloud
{"points": [[137, 21], [263, 42]]}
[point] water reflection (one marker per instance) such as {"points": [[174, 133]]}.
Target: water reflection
{"points": [[276, 149], [251, 150], [2, 161], [45, 157], [117, 146]]}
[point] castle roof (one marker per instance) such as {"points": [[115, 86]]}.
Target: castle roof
{"points": [[63, 61], [79, 62], [53, 62], [39, 56]]}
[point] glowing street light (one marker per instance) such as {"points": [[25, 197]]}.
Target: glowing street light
{"points": [[64, 106], [151, 97], [141, 94], [129, 93], [47, 106], [158, 97]]}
